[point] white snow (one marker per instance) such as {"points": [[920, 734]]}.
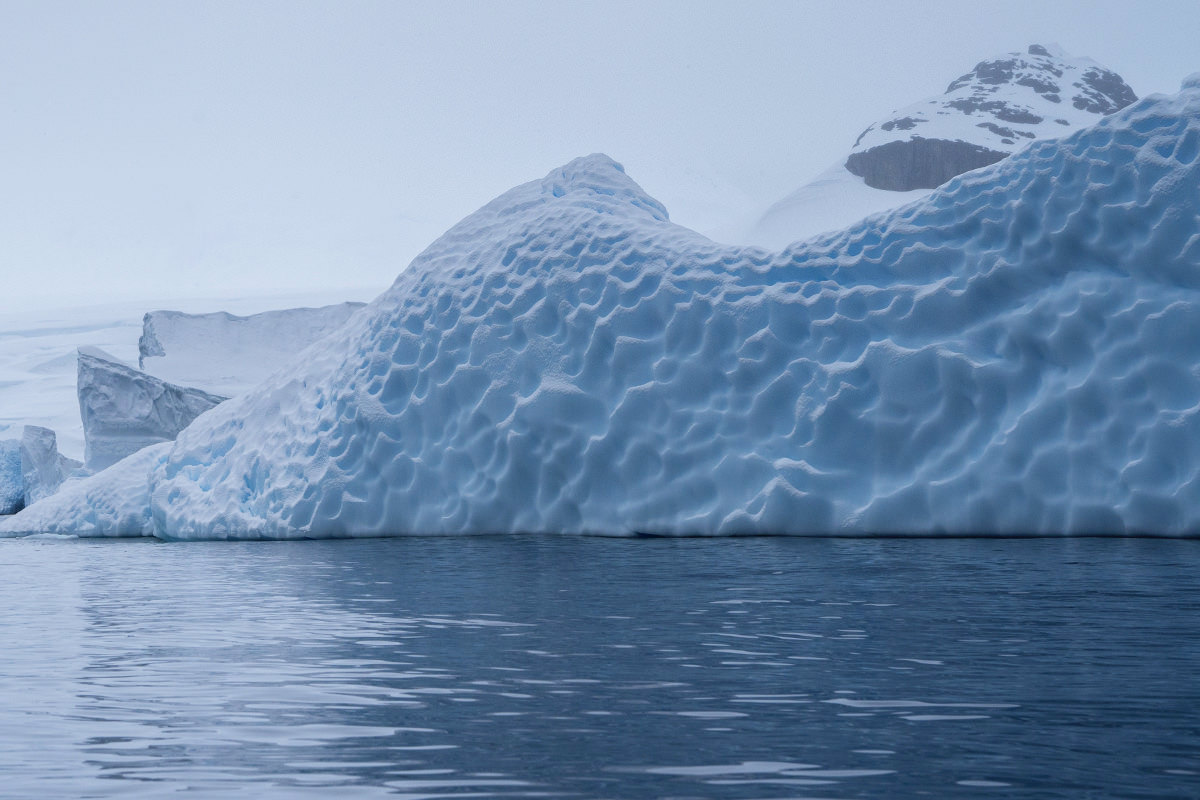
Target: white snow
{"points": [[832, 201], [1029, 113], [226, 354], [1017, 353]]}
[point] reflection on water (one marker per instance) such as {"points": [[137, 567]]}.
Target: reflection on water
{"points": [[544, 667]]}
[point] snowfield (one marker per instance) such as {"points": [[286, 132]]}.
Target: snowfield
{"points": [[1019, 353]]}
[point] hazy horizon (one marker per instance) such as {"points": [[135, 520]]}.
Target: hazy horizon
{"points": [[214, 148]]}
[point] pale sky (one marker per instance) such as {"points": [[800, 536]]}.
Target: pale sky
{"points": [[158, 149]]}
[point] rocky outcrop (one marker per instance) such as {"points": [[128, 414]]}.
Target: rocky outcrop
{"points": [[918, 163], [984, 116], [125, 409]]}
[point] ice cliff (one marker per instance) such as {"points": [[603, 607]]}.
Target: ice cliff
{"points": [[226, 354], [43, 468], [12, 488], [124, 410], [1018, 353]]}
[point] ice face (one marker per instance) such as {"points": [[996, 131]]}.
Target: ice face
{"points": [[124, 410], [43, 469], [226, 354], [12, 490], [1018, 353]]}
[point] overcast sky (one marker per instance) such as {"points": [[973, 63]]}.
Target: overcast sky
{"points": [[152, 149]]}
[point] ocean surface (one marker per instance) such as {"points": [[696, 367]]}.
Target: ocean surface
{"points": [[595, 668]]}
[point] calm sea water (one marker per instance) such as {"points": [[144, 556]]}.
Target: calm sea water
{"points": [[556, 667]]}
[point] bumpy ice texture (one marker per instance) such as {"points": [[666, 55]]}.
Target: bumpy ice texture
{"points": [[115, 502], [226, 354], [1017, 354], [124, 410]]}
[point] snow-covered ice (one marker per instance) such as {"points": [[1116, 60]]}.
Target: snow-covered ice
{"points": [[1017, 353], [226, 354]]}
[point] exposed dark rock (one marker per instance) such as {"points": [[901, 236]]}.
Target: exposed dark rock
{"points": [[1043, 86], [902, 124], [1006, 132], [918, 163], [1103, 92], [997, 108]]}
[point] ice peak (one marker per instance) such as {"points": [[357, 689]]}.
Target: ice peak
{"points": [[599, 176], [1190, 83], [1052, 50]]}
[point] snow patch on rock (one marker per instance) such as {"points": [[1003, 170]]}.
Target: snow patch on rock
{"points": [[43, 468]]}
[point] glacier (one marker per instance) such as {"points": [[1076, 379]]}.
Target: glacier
{"points": [[1018, 353], [12, 486]]}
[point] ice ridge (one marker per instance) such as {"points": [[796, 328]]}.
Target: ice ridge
{"points": [[1017, 354]]}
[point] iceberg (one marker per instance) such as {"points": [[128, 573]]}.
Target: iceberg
{"points": [[124, 410], [43, 468], [226, 354], [12, 488], [1018, 353], [115, 502]]}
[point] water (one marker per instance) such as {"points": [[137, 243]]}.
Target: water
{"points": [[546, 667]]}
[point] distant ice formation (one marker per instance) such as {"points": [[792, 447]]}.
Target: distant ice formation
{"points": [[1001, 106], [43, 468], [124, 409], [12, 488], [1019, 353], [226, 354], [31, 468]]}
